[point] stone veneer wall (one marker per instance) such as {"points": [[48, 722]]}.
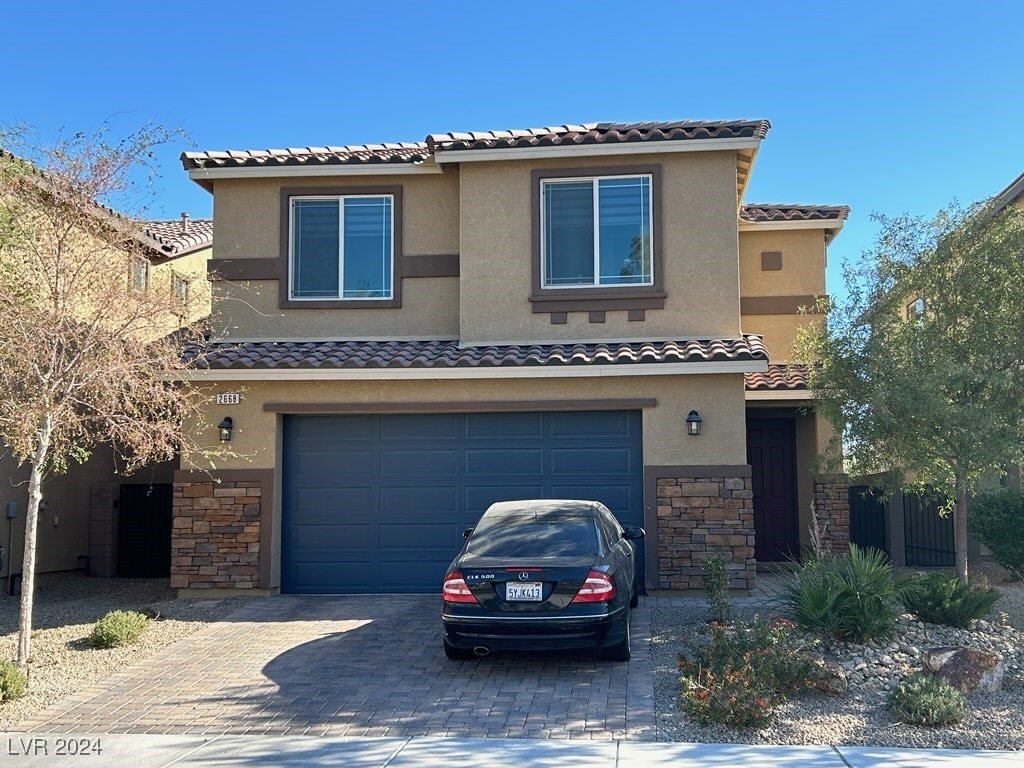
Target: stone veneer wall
{"points": [[697, 515], [832, 510], [215, 539]]}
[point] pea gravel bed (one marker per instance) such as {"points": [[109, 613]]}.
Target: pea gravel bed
{"points": [[66, 607], [858, 718]]}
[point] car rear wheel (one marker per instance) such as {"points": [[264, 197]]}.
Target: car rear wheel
{"points": [[621, 650], [457, 654]]}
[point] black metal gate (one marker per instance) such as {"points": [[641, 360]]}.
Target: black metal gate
{"points": [[144, 531], [929, 536], [867, 518]]}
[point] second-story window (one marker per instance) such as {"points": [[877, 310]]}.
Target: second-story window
{"points": [[140, 274], [596, 232], [179, 286], [341, 247]]}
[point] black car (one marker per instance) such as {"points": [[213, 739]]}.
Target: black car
{"points": [[542, 575]]}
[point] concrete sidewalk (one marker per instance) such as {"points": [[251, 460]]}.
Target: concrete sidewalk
{"points": [[140, 751]]}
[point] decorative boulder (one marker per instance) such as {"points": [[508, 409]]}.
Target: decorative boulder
{"points": [[830, 677], [969, 669]]}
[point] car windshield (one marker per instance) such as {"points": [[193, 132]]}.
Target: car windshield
{"points": [[534, 536]]}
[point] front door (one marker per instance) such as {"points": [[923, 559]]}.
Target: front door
{"points": [[771, 453]]}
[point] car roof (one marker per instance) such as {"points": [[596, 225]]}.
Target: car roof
{"points": [[543, 508]]}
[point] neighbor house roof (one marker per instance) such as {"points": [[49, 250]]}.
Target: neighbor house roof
{"points": [[448, 354], [766, 212], [353, 154], [177, 237], [1009, 193], [778, 377]]}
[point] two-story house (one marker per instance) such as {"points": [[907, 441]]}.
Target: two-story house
{"points": [[405, 333]]}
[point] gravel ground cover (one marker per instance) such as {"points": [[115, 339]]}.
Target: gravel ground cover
{"points": [[860, 717], [66, 607]]}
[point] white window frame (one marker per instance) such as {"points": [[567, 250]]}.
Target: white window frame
{"points": [[341, 247], [595, 199]]}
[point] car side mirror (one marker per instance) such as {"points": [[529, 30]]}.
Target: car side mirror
{"points": [[467, 533], [633, 532]]}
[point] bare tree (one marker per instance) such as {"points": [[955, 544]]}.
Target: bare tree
{"points": [[87, 354]]}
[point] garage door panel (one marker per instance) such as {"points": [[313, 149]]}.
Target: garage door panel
{"points": [[399, 501], [590, 461], [427, 426], [417, 463], [479, 498], [414, 537], [522, 461], [504, 426], [325, 504], [591, 424], [331, 431], [379, 503], [319, 541]]}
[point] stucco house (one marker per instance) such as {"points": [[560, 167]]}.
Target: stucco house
{"points": [[404, 333], [82, 512]]}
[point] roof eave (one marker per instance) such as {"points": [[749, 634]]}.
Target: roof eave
{"points": [[443, 156], [1011, 192], [205, 177], [475, 372], [832, 227]]}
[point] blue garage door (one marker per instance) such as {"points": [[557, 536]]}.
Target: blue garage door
{"points": [[378, 503]]}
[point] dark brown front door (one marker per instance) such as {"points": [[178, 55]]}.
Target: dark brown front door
{"points": [[771, 453]]}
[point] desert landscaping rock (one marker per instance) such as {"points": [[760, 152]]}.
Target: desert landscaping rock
{"points": [[66, 607], [966, 668]]}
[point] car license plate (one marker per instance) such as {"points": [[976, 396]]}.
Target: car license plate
{"points": [[527, 590]]}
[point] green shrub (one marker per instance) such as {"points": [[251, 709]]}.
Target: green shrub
{"points": [[855, 598], [742, 673], [997, 520], [923, 699], [941, 598], [118, 628], [716, 586], [13, 682]]}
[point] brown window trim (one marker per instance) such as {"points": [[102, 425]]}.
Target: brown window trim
{"points": [[396, 248], [776, 305], [606, 298]]}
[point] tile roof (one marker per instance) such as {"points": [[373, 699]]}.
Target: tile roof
{"points": [[778, 377], [169, 238], [420, 151], [600, 133], [448, 354], [353, 154], [761, 212]]}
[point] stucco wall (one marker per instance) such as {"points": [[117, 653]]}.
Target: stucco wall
{"points": [[249, 310], [719, 398], [698, 246], [247, 225], [802, 274], [191, 267]]}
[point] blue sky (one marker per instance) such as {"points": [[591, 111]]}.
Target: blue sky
{"points": [[889, 107]]}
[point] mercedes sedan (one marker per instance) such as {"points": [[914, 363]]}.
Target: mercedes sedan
{"points": [[542, 575]]}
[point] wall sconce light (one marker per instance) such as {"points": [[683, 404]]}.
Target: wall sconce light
{"points": [[693, 422], [225, 427]]}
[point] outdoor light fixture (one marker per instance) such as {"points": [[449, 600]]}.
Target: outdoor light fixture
{"points": [[225, 427], [693, 421]]}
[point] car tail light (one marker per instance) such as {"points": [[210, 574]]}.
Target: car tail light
{"points": [[456, 590], [596, 588]]}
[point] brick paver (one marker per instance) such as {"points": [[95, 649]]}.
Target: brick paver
{"points": [[361, 666]]}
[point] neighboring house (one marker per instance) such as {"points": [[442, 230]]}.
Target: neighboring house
{"points": [[404, 333], [81, 510]]}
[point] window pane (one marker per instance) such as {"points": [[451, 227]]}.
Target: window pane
{"points": [[624, 207], [367, 251], [315, 249], [568, 233]]}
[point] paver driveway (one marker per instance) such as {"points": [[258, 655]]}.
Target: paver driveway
{"points": [[361, 665]]}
